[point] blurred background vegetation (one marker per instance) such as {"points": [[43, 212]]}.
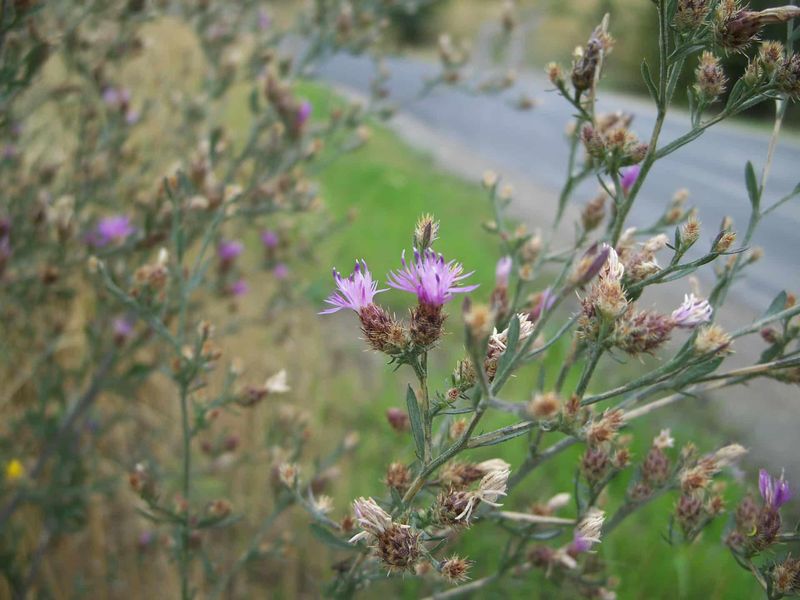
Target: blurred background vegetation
{"points": [[553, 28]]}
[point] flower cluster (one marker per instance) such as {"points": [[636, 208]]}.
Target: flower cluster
{"points": [[432, 279]]}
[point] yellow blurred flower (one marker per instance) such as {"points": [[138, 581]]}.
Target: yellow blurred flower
{"points": [[14, 470]]}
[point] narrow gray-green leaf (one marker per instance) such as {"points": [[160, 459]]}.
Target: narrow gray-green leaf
{"points": [[648, 80], [777, 305], [415, 419], [328, 538], [752, 186]]}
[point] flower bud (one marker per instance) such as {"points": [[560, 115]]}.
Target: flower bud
{"points": [[426, 232], [398, 419], [710, 79], [690, 14], [593, 212]]}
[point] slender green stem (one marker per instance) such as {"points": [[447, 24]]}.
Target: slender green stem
{"points": [[186, 488], [591, 364]]}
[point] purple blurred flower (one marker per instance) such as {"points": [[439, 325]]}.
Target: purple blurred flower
{"points": [[264, 20], [692, 312], [270, 238], [544, 303], [146, 538], [629, 177], [503, 271], [355, 292], [132, 117], [280, 271], [116, 97], [580, 544], [113, 229], [239, 288], [592, 261], [433, 280], [229, 250], [122, 328], [775, 492], [10, 151], [111, 96], [303, 113]]}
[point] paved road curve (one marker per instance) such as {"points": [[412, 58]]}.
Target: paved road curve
{"points": [[533, 143]]}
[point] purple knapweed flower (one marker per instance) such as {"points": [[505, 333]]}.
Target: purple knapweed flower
{"points": [[280, 271], [692, 312], [113, 229], [270, 238], [132, 117], [544, 303], [239, 288], [775, 492], [145, 539], [354, 292], [433, 280], [629, 177], [503, 271], [229, 250], [10, 151], [122, 328], [264, 20], [116, 97], [111, 96], [303, 113]]}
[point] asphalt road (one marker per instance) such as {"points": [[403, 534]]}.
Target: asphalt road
{"points": [[533, 143]]}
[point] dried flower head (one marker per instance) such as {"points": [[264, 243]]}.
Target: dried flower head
{"points": [[712, 338], [288, 473], [664, 440], [587, 60], [545, 406], [396, 545], [455, 569], [398, 477], [690, 14], [588, 531], [604, 429], [593, 212]]}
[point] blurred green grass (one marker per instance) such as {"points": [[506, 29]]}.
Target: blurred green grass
{"points": [[384, 188]]}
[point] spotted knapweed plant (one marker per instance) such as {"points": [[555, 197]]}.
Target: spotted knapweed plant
{"points": [[594, 297]]}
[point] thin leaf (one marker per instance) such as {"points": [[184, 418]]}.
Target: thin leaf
{"points": [[696, 372], [776, 306], [327, 537], [415, 419], [648, 80], [498, 440], [752, 186], [511, 344]]}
